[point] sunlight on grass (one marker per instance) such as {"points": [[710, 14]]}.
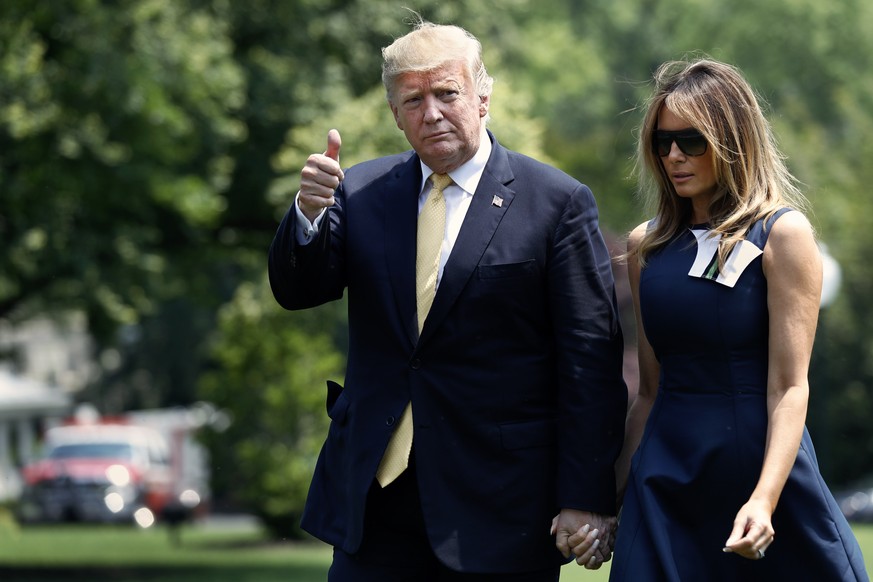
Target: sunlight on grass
{"points": [[573, 572], [192, 554]]}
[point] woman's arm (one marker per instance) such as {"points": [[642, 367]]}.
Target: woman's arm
{"points": [[649, 373], [792, 266], [584, 543]]}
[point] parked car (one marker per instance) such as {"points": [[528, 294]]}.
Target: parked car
{"points": [[104, 473], [856, 500]]}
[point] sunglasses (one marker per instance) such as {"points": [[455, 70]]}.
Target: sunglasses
{"points": [[690, 141]]}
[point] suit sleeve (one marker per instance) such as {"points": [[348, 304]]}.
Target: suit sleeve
{"points": [[592, 395], [303, 276]]}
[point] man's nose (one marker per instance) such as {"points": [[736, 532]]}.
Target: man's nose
{"points": [[432, 110]]}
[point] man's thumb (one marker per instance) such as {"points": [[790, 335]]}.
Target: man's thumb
{"points": [[333, 144]]}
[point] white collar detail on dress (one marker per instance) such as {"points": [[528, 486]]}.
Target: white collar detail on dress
{"points": [[706, 263]]}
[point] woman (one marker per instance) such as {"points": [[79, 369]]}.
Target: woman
{"points": [[718, 470]]}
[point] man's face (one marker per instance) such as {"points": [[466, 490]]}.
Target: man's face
{"points": [[441, 115]]}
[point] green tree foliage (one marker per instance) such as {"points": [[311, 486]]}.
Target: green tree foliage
{"points": [[117, 128], [115, 123], [274, 392]]}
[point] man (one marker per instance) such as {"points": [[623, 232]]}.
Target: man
{"points": [[497, 355]]}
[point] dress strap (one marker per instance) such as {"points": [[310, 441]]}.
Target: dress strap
{"points": [[760, 231]]}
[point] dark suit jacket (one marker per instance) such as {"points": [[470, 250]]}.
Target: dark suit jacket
{"points": [[516, 383]]}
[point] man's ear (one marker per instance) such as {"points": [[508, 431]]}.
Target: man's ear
{"points": [[484, 104]]}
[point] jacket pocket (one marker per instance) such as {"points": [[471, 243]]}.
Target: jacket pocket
{"points": [[508, 270], [337, 403]]}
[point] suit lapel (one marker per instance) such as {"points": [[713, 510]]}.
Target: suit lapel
{"points": [[400, 224], [487, 208]]}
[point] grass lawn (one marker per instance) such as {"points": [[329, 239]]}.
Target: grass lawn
{"points": [[120, 553], [196, 554]]}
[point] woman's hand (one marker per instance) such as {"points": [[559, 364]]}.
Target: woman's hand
{"points": [[753, 531], [589, 537]]}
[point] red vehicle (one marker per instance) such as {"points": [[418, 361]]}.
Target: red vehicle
{"points": [[104, 473]]}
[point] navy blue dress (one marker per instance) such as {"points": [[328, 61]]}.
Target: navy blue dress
{"points": [[703, 445]]}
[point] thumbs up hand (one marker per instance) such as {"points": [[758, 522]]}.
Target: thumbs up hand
{"points": [[333, 145], [319, 178]]}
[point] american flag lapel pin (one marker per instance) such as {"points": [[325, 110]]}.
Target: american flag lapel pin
{"points": [[497, 201]]}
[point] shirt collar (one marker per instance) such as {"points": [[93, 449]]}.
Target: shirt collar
{"points": [[468, 174]]}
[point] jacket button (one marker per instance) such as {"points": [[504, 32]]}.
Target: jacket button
{"points": [[389, 421], [415, 364]]}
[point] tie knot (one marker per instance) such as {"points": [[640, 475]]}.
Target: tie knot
{"points": [[440, 181]]}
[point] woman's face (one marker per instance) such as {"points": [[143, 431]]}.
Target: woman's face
{"points": [[693, 176]]}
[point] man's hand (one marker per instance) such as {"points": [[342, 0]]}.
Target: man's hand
{"points": [[321, 175], [588, 536]]}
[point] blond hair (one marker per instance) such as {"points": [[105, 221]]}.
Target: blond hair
{"points": [[430, 46], [752, 179]]}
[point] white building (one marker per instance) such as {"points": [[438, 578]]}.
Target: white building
{"points": [[27, 407], [53, 362]]}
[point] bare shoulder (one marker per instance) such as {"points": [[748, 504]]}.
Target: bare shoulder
{"points": [[636, 235], [791, 249], [791, 232]]}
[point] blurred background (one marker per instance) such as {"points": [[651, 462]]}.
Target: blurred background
{"points": [[148, 149]]}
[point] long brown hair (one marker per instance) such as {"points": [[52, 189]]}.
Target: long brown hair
{"points": [[751, 177]]}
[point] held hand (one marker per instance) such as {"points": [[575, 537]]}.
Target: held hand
{"points": [[587, 536], [319, 178], [753, 532]]}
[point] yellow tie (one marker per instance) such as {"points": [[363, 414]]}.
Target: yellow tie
{"points": [[431, 232]]}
